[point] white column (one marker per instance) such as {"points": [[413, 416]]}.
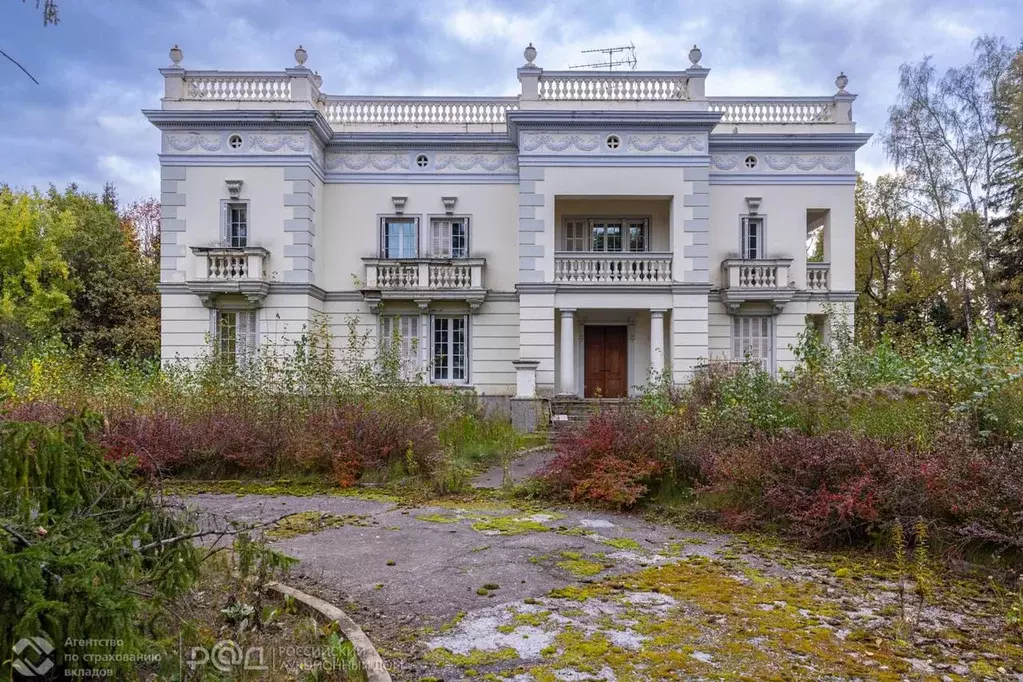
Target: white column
{"points": [[656, 343], [566, 379], [425, 334]]}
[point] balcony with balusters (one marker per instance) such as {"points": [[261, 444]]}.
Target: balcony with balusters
{"points": [[750, 280], [223, 270], [424, 279]]}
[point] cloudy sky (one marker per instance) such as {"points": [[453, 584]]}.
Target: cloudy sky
{"points": [[98, 67]]}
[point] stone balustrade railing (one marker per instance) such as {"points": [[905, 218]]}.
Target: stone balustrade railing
{"points": [[755, 274], [817, 276], [424, 274], [299, 87], [221, 86], [611, 86], [573, 267], [774, 109], [417, 110], [229, 264]]}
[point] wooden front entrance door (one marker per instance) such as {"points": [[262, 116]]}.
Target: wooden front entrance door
{"points": [[605, 355]]}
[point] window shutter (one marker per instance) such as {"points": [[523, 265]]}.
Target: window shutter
{"points": [[225, 222]]}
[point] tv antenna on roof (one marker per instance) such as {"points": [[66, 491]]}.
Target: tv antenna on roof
{"points": [[616, 56]]}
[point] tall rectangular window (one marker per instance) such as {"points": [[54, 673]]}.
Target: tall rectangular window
{"points": [[450, 349], [398, 238], [449, 237], [636, 234], [399, 343], [752, 339], [576, 235], [236, 224], [752, 238], [236, 335]]}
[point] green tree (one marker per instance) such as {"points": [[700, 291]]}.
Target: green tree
{"points": [[113, 285], [34, 275], [900, 273], [1009, 252]]}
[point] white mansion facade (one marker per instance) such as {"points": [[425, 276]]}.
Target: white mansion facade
{"points": [[572, 239]]}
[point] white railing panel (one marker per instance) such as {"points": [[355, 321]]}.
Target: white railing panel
{"points": [[817, 276], [459, 111], [622, 268], [245, 87], [589, 86], [774, 109]]}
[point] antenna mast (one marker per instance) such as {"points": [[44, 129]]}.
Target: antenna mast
{"points": [[624, 55]]}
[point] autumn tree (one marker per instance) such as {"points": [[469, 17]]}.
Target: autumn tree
{"points": [[112, 284], [900, 271], [949, 142], [34, 284], [142, 219]]}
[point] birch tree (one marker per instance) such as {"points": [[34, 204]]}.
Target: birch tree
{"points": [[946, 138]]}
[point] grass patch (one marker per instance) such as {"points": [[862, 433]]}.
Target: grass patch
{"points": [[474, 659], [304, 523], [621, 543], [437, 518], [574, 563], [508, 525]]}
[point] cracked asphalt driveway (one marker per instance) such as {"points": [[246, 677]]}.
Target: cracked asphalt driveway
{"points": [[484, 590]]}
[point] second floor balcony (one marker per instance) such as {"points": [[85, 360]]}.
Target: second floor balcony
{"points": [[458, 279], [767, 279], [221, 270], [612, 268]]}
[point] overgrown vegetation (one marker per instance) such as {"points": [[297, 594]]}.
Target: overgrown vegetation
{"points": [[315, 406], [851, 442]]}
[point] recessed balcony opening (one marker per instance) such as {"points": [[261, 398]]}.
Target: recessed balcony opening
{"points": [[612, 240], [818, 257]]}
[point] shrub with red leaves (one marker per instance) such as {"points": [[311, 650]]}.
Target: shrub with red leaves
{"points": [[840, 488], [610, 460]]}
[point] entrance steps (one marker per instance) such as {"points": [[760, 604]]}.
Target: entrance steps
{"points": [[568, 412]]}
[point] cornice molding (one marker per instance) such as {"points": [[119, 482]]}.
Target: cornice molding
{"points": [[574, 119], [241, 119], [803, 142]]}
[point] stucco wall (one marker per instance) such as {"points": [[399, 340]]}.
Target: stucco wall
{"points": [[350, 226], [784, 209]]}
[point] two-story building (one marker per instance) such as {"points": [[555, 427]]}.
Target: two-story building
{"points": [[595, 230]]}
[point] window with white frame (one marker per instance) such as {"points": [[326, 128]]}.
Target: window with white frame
{"points": [[576, 235], [450, 348], [236, 223], [449, 237], [399, 237], [752, 238], [235, 334], [607, 234], [399, 343], [752, 339]]}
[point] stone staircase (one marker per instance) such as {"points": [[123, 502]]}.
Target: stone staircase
{"points": [[569, 412]]}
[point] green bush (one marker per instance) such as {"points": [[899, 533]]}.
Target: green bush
{"points": [[85, 553]]}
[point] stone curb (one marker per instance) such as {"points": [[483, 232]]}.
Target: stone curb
{"points": [[371, 662]]}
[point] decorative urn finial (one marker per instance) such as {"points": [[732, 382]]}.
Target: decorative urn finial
{"points": [[176, 54], [695, 55], [842, 81], [530, 54], [300, 56], [317, 79]]}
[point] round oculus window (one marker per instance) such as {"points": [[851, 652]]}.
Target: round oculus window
{"points": [[234, 141], [613, 142], [422, 160], [751, 161]]}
